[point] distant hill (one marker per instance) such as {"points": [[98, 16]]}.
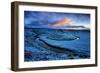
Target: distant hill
{"points": [[70, 27], [74, 26]]}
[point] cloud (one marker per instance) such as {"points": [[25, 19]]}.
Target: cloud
{"points": [[63, 22]]}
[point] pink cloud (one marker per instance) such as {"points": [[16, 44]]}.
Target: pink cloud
{"points": [[63, 22]]}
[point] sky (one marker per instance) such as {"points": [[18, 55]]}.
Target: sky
{"points": [[54, 19]]}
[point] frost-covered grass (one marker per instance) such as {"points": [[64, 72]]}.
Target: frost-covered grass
{"points": [[43, 44]]}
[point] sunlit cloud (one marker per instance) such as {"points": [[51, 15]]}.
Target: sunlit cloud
{"points": [[63, 22]]}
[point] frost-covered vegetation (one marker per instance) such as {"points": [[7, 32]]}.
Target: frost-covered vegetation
{"points": [[43, 44]]}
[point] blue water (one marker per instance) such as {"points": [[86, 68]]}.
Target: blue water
{"points": [[42, 44]]}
